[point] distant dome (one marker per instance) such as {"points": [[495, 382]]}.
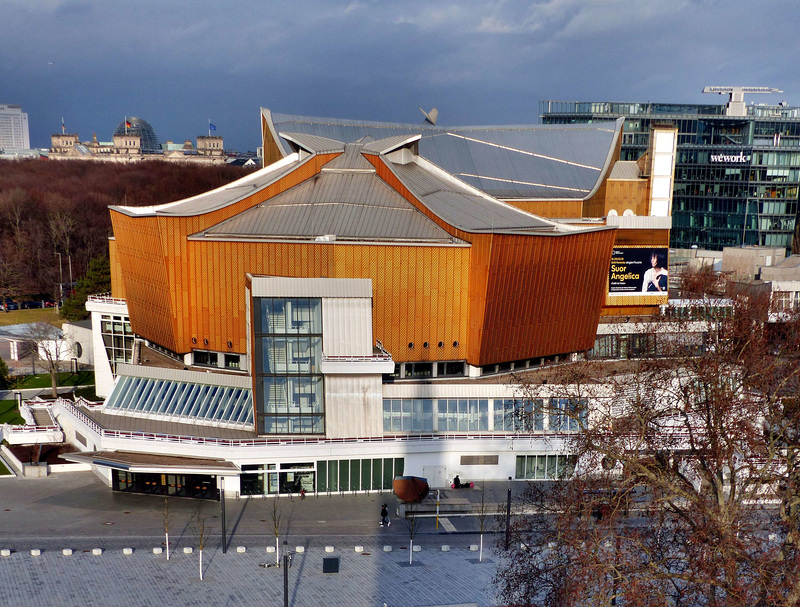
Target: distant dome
{"points": [[144, 130]]}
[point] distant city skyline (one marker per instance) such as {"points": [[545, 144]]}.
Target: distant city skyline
{"points": [[182, 65]]}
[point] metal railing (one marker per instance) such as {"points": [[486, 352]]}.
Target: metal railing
{"points": [[357, 359], [105, 298], [266, 441]]}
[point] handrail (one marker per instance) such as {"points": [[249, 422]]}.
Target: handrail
{"points": [[363, 358], [107, 299], [27, 428]]}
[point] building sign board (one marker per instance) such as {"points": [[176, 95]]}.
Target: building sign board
{"points": [[638, 271], [740, 158]]}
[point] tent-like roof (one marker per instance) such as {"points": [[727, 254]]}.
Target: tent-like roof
{"points": [[348, 199], [527, 162]]}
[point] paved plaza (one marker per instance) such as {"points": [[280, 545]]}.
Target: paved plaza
{"points": [[76, 511]]}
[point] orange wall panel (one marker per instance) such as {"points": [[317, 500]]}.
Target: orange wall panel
{"points": [[406, 290], [544, 294]]}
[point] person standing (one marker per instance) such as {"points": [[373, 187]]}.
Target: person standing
{"points": [[385, 516]]}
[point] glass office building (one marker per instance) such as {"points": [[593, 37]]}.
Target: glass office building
{"points": [[736, 176]]}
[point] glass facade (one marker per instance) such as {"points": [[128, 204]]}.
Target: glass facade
{"points": [[544, 467], [289, 383], [117, 338], [426, 415], [197, 486], [736, 177], [373, 474]]}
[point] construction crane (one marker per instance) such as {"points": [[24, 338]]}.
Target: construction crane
{"points": [[736, 105]]}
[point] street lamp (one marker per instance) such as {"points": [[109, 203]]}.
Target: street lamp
{"points": [[60, 281], [508, 515]]}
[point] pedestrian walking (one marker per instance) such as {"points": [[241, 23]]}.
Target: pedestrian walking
{"points": [[385, 516]]}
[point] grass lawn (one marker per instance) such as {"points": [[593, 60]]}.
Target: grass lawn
{"points": [[19, 317], [9, 413], [42, 380]]}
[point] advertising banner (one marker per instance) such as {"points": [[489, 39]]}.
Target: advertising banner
{"points": [[638, 270]]}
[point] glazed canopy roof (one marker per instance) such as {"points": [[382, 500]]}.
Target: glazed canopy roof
{"points": [[545, 162]]}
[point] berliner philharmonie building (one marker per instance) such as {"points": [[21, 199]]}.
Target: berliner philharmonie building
{"points": [[353, 310]]}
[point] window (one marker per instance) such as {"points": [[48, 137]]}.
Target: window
{"points": [[568, 414], [117, 338], [290, 396], [205, 359], [544, 467]]}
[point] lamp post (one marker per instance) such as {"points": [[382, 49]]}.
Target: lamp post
{"points": [[222, 514], [60, 281], [285, 575], [508, 516]]}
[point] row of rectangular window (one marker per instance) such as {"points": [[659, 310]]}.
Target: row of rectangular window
{"points": [[291, 424], [291, 354], [544, 467], [286, 316], [292, 394], [374, 474], [483, 415], [213, 359]]}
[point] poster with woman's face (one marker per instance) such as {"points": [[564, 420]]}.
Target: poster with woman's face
{"points": [[638, 270]]}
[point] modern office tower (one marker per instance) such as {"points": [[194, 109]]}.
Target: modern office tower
{"points": [[14, 134], [737, 168]]}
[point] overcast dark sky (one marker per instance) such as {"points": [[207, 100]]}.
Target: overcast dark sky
{"points": [[179, 63]]}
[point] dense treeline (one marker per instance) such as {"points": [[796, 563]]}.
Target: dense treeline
{"points": [[49, 207]]}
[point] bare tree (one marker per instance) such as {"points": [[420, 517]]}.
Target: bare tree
{"points": [[167, 518], [48, 341], [280, 521], [701, 442], [483, 510], [412, 525], [200, 532]]}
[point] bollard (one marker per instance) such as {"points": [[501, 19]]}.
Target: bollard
{"points": [[328, 548], [188, 550], [445, 548], [67, 552], [36, 552], [270, 549], [417, 548], [5, 552], [359, 549], [127, 551], [300, 549], [241, 549], [387, 548], [97, 551], [158, 550], [473, 547]]}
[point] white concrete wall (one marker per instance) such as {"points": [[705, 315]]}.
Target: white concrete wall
{"points": [[347, 326], [75, 334], [353, 406]]}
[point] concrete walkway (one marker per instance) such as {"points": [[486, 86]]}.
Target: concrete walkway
{"points": [[76, 511]]}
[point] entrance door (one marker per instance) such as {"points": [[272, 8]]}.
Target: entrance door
{"points": [[436, 475]]}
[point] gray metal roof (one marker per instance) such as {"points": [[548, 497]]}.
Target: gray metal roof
{"points": [[347, 199], [221, 197], [627, 169], [467, 210], [523, 162], [313, 143]]}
